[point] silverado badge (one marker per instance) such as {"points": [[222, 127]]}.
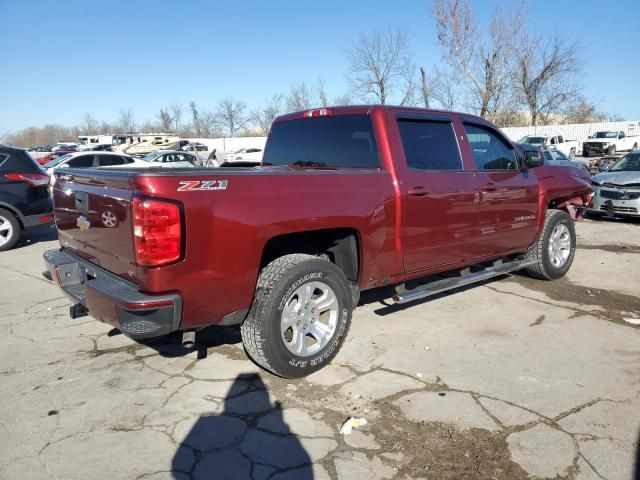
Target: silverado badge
{"points": [[83, 224]]}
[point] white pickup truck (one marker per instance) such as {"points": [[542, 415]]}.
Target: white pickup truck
{"points": [[558, 142], [609, 142]]}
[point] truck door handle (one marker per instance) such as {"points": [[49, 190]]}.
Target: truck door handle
{"points": [[489, 187], [417, 191]]}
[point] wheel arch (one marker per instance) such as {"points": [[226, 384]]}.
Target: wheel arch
{"points": [[341, 246]]}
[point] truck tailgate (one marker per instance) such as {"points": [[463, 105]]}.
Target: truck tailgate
{"points": [[93, 216]]}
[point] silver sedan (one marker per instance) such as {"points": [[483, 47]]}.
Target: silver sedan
{"points": [[617, 189]]}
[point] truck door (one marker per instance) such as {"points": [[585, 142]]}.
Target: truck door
{"points": [[508, 195], [439, 197]]}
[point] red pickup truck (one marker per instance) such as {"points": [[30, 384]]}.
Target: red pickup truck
{"points": [[347, 199]]}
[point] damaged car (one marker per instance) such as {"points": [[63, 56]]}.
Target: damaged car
{"points": [[617, 189]]}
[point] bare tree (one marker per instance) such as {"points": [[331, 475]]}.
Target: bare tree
{"points": [[344, 99], [126, 121], [196, 124], [444, 90], [165, 120], [300, 97], [230, 116], [424, 88], [89, 124], [482, 60], [545, 73], [176, 115], [322, 93], [264, 116], [380, 66]]}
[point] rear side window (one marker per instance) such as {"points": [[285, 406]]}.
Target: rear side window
{"points": [[342, 141], [106, 160], [81, 162], [490, 152], [430, 145]]}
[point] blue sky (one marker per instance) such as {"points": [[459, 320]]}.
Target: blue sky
{"points": [[63, 58]]}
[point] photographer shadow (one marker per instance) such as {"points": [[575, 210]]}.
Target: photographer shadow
{"points": [[248, 439]]}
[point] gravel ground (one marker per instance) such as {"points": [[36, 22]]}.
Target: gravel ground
{"points": [[512, 379]]}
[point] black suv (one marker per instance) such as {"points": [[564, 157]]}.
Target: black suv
{"points": [[24, 195]]}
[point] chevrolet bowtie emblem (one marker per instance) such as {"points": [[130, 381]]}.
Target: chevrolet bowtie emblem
{"points": [[83, 224]]}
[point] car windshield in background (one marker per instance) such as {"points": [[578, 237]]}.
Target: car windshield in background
{"points": [[532, 140], [342, 141], [57, 161], [606, 135], [628, 163]]}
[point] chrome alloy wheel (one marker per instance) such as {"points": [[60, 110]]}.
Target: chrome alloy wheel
{"points": [[6, 230], [109, 219], [559, 245], [309, 319]]}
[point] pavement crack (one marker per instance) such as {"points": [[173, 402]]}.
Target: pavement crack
{"points": [[591, 466]]}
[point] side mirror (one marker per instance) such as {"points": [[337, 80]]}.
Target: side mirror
{"points": [[533, 159]]}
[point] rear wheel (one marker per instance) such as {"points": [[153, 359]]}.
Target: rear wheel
{"points": [[9, 230], [299, 317], [556, 247]]}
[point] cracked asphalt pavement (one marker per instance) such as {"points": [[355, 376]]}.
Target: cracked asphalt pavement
{"points": [[511, 379]]}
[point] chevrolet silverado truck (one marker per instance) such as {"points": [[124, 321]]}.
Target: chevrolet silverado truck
{"points": [[346, 199], [609, 142], [557, 142]]}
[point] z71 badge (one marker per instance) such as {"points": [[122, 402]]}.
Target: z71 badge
{"points": [[191, 185]]}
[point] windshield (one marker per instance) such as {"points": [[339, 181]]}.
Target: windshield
{"points": [[555, 155], [606, 135], [628, 163], [57, 161], [342, 141], [152, 157], [532, 140]]}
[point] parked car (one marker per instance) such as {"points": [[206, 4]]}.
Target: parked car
{"points": [[568, 147], [556, 157], [24, 198], [249, 154], [64, 147], [193, 147], [347, 199], [170, 159], [609, 142], [617, 190], [91, 160]]}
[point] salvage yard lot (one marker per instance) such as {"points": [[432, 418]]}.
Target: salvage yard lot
{"points": [[512, 379]]}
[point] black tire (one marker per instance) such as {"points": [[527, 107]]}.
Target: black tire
{"points": [[261, 331], [635, 147], [585, 153], [14, 232], [545, 269], [611, 151]]}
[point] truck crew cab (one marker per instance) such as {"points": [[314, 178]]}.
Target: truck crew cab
{"points": [[347, 199]]}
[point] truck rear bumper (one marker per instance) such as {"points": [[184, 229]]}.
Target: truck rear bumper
{"points": [[113, 300]]}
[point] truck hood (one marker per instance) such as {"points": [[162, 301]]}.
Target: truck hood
{"points": [[600, 140], [631, 179]]}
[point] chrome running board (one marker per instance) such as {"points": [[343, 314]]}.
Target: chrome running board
{"points": [[466, 278]]}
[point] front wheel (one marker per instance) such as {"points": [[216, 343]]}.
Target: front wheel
{"points": [[611, 151], [556, 247], [572, 154], [299, 317]]}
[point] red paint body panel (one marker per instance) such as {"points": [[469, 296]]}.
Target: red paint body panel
{"points": [[400, 236]]}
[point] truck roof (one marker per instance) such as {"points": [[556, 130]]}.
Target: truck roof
{"points": [[367, 109]]}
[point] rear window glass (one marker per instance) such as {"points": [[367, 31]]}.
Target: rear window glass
{"points": [[85, 161], [343, 141], [430, 145]]}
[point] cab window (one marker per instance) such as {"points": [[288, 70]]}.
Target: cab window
{"points": [[490, 151]]}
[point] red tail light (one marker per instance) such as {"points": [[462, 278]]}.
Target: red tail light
{"points": [[157, 232], [33, 179]]}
